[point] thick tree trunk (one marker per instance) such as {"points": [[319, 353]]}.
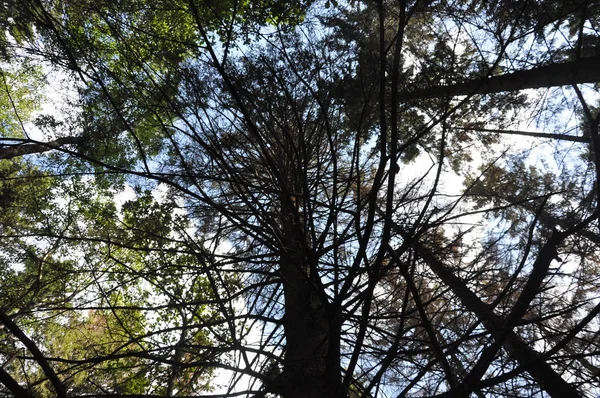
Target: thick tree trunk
{"points": [[311, 363], [585, 70], [312, 357]]}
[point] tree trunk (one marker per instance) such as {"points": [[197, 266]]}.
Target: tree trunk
{"points": [[552, 136], [585, 70], [312, 358], [27, 147]]}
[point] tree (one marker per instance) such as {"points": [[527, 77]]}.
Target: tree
{"points": [[324, 200]]}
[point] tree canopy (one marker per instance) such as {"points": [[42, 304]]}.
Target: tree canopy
{"points": [[299, 199]]}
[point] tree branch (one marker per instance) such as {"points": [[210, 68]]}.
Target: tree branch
{"points": [[518, 349], [12, 385], [61, 392]]}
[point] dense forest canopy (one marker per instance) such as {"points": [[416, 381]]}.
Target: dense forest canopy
{"points": [[303, 198]]}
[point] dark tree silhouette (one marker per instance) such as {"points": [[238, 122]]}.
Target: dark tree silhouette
{"points": [[301, 199]]}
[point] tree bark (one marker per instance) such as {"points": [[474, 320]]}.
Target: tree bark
{"points": [[312, 358], [585, 70], [27, 147]]}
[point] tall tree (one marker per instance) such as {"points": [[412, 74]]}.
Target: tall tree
{"points": [[317, 199]]}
